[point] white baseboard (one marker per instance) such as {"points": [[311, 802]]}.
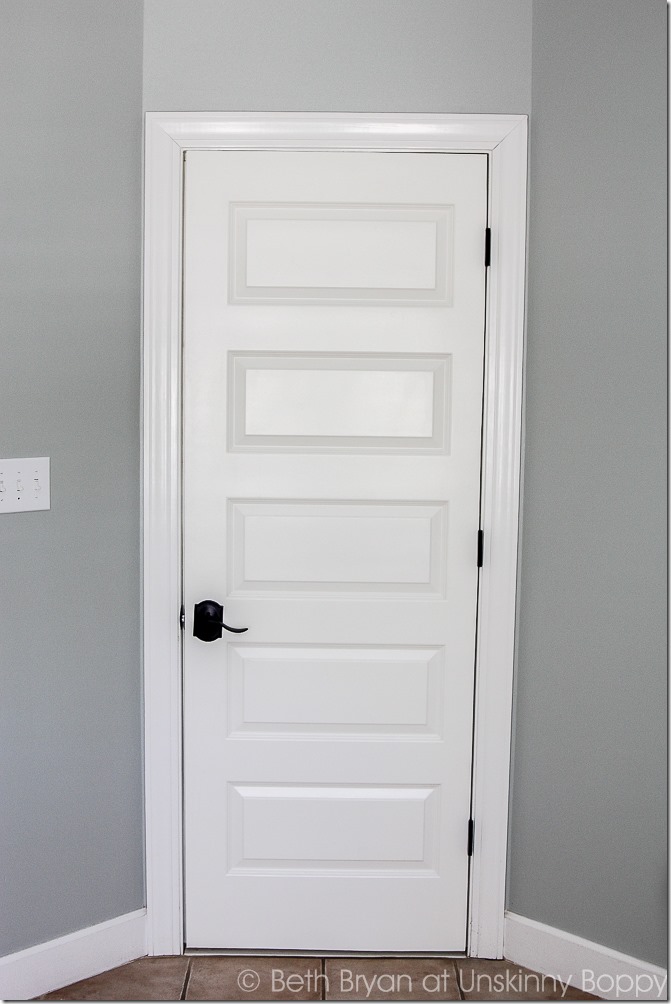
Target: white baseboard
{"points": [[584, 964], [76, 956]]}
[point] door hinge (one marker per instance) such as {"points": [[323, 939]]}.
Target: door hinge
{"points": [[481, 547], [488, 247], [182, 617], [471, 837]]}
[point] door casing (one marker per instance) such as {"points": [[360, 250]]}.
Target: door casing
{"points": [[167, 137]]}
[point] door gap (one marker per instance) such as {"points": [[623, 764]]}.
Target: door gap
{"points": [[287, 953]]}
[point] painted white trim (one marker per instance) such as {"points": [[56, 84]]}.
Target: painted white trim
{"points": [[582, 963], [162, 559], [168, 136], [502, 460], [76, 956]]}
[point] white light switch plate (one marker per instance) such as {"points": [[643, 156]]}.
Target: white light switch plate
{"points": [[24, 484]]}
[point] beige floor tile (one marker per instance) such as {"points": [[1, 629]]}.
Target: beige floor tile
{"points": [[249, 978], [385, 979], [498, 980], [156, 979], [245, 978]]}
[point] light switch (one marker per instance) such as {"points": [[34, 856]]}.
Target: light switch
{"points": [[24, 484]]}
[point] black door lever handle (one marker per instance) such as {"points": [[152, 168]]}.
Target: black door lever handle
{"points": [[208, 621]]}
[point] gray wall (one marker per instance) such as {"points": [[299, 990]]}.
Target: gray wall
{"points": [[338, 55], [588, 845], [587, 826], [70, 671]]}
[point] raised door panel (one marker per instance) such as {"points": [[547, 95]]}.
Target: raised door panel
{"points": [[335, 692], [341, 254], [300, 403], [331, 829], [344, 547]]}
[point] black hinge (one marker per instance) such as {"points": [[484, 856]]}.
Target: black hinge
{"points": [[488, 247], [182, 617], [471, 837], [481, 547]]}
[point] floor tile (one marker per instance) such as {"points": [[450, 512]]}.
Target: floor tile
{"points": [[498, 980], [250, 978], [154, 979], [385, 979], [246, 978]]}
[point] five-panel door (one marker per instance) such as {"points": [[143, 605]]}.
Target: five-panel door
{"points": [[334, 310]]}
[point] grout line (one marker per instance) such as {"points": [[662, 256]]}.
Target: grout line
{"points": [[323, 991], [457, 976], [185, 985]]}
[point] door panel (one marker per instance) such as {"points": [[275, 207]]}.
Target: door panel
{"points": [[341, 254], [295, 402], [333, 356], [339, 692]]}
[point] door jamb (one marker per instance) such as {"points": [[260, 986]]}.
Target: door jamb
{"points": [[167, 137]]}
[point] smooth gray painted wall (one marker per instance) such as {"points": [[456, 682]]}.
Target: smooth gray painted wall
{"points": [[70, 670], [337, 55], [588, 847]]}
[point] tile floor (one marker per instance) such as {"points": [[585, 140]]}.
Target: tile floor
{"points": [[248, 978]]}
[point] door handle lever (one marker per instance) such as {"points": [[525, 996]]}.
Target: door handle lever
{"points": [[208, 621]]}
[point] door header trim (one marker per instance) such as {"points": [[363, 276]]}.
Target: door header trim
{"points": [[168, 136]]}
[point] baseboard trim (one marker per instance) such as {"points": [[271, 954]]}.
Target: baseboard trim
{"points": [[76, 956], [581, 963]]}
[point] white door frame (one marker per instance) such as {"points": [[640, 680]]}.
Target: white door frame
{"points": [[168, 137]]}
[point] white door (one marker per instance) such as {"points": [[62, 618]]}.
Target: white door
{"points": [[333, 371]]}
